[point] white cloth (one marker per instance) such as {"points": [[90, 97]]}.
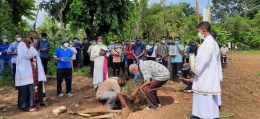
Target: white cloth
{"points": [[219, 100], [207, 68], [148, 47], [74, 51], [89, 51], [205, 106], [24, 74], [98, 63]]}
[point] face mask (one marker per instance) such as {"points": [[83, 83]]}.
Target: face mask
{"points": [[70, 45], [91, 42], [43, 39], [224, 46], [133, 42], [170, 41], [75, 40], [18, 39], [100, 43], [163, 41], [176, 42], [151, 43], [137, 76], [66, 45], [201, 36], [123, 43], [111, 43], [94, 43], [5, 40], [116, 47]]}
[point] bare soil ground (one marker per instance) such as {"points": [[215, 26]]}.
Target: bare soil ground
{"points": [[240, 96]]}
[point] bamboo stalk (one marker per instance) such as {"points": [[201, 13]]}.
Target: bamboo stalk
{"points": [[198, 15]]}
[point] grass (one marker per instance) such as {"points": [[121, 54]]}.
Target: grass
{"points": [[4, 117], [252, 51]]}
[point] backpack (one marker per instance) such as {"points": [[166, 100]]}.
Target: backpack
{"points": [[150, 51]]}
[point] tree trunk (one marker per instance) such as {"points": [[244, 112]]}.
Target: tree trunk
{"points": [[63, 6]]}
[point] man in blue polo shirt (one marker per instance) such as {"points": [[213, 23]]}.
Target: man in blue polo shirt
{"points": [[63, 55], [138, 50], [5, 58], [176, 61]]}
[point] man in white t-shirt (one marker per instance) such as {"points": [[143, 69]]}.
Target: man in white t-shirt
{"points": [[223, 52], [151, 51], [92, 59]]}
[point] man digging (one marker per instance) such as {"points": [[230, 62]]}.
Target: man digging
{"points": [[110, 90], [154, 75]]}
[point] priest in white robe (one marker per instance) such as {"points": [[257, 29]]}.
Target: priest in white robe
{"points": [[29, 75], [206, 85], [100, 63]]}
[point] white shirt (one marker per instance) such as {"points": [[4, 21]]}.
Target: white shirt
{"points": [[224, 50], [154, 50], [74, 51], [208, 68], [89, 51]]}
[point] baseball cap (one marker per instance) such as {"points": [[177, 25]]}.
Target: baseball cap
{"points": [[137, 38], [186, 66]]}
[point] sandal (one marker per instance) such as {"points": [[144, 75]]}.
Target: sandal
{"points": [[33, 109], [151, 109]]}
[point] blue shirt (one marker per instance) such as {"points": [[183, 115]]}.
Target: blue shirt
{"points": [[77, 46], [42, 45], [110, 47], [178, 57], [60, 52], [138, 48], [4, 47], [13, 48]]}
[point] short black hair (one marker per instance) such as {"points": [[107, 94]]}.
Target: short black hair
{"points": [[123, 77], [185, 42], [163, 37], [204, 25], [170, 38], [16, 34], [213, 34], [75, 38], [32, 32], [178, 38], [85, 39], [44, 35]]}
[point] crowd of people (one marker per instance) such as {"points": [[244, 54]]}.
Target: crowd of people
{"points": [[148, 64]]}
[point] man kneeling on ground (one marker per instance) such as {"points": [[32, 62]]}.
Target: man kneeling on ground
{"points": [[110, 90], [186, 76], [154, 75]]}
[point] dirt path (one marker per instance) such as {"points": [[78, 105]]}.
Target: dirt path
{"points": [[241, 96]]}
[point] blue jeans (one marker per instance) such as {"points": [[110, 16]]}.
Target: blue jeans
{"points": [[4, 62], [189, 84], [110, 97], [141, 58]]}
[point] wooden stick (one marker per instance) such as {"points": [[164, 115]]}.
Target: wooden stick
{"points": [[98, 111], [226, 116], [101, 116]]}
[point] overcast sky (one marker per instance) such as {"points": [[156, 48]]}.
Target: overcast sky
{"points": [[202, 4]]}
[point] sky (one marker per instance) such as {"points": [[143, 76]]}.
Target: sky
{"points": [[202, 4]]}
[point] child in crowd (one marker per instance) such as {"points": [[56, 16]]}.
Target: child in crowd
{"points": [[186, 77]]}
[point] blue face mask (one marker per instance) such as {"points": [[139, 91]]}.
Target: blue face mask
{"points": [[176, 42], [100, 43], [91, 42], [5, 40], [75, 40], [151, 43], [44, 39], [137, 76]]}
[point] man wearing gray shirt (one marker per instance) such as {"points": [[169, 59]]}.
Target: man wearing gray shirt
{"points": [[154, 75]]}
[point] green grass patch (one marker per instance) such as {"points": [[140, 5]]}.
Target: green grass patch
{"points": [[251, 51]]}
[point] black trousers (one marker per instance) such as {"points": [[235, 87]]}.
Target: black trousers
{"points": [[223, 58], [74, 63], [110, 61], [45, 64], [165, 63], [129, 62], [86, 59], [175, 68], [64, 73], [122, 66], [151, 58], [14, 71], [91, 68], [116, 67], [78, 61]]}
